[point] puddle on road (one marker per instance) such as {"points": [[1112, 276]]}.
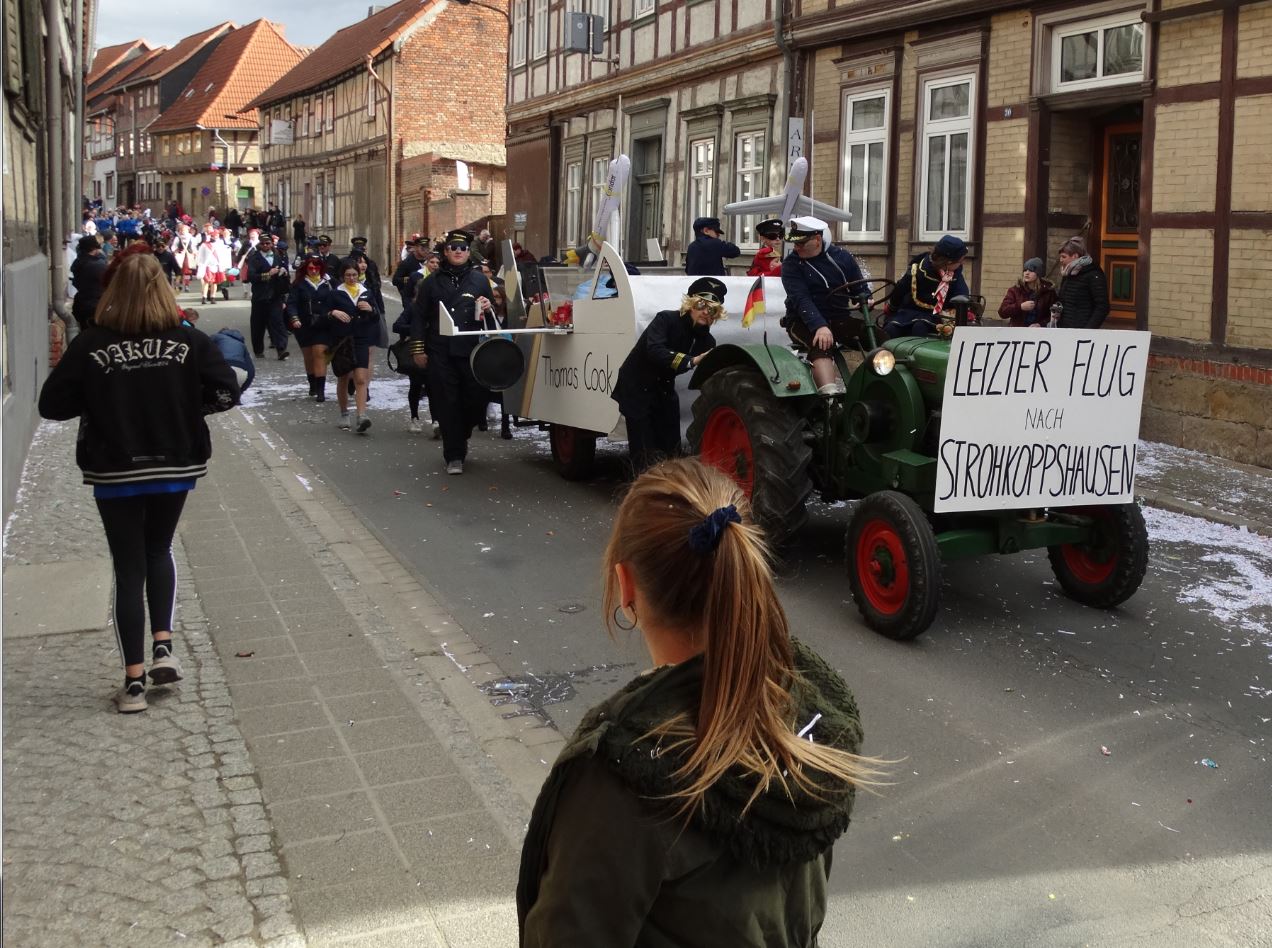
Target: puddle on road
{"points": [[532, 693]]}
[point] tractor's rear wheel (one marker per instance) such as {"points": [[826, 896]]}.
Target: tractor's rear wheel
{"points": [[742, 428], [1107, 571], [573, 451], [894, 565]]}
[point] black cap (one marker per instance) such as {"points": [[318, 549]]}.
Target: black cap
{"points": [[951, 248], [770, 228], [458, 236], [358, 242], [86, 243], [324, 239], [704, 222], [708, 288]]}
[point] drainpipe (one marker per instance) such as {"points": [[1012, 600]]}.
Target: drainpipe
{"points": [[788, 71], [55, 118], [390, 150]]}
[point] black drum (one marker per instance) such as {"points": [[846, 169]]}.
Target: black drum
{"points": [[497, 363]]}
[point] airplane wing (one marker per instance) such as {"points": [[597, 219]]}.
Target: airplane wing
{"points": [[791, 203]]}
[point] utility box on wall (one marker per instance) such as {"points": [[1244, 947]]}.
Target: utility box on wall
{"points": [[584, 33]]}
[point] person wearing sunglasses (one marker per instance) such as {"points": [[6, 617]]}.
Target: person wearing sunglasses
{"points": [[818, 308], [456, 401], [672, 344]]}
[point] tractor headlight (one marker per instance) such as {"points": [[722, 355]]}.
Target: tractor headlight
{"points": [[882, 361]]}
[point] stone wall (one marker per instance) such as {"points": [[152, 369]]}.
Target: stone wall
{"points": [[1220, 408]]}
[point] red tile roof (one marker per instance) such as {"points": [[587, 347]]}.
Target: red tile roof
{"points": [[160, 66], [347, 50], [117, 77], [110, 56], [243, 64]]}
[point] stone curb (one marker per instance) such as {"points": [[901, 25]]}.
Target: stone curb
{"points": [[1170, 502]]}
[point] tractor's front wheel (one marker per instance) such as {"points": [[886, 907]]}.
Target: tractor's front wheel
{"points": [[1106, 571], [742, 428], [894, 565], [573, 451]]}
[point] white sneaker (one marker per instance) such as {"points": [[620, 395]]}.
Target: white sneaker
{"points": [[164, 667], [454, 467], [414, 426], [131, 699], [345, 424]]}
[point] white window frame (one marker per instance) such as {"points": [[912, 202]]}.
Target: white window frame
{"points": [[520, 26], [644, 8], [745, 224], [1098, 25], [541, 23], [600, 180], [873, 136], [370, 98], [946, 128], [320, 199], [573, 202], [701, 184], [331, 198], [331, 110]]}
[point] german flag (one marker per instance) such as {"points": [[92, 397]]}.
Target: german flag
{"points": [[754, 302]]}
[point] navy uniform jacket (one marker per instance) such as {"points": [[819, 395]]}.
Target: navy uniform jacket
{"points": [[808, 284], [663, 351], [915, 292], [458, 288], [705, 256], [303, 302], [265, 288]]}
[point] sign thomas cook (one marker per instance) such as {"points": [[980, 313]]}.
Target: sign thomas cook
{"points": [[1040, 418]]}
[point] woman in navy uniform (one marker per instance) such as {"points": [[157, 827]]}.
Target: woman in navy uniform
{"points": [[308, 320], [675, 342], [352, 314], [932, 279]]}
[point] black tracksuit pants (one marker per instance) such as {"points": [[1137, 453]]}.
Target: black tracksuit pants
{"points": [[139, 533], [653, 433], [455, 401]]}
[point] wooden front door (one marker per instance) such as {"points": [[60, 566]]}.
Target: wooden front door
{"points": [[1119, 216]]}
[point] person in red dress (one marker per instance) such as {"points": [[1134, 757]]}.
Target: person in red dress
{"points": [[768, 259]]}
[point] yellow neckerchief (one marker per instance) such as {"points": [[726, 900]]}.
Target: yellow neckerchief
{"points": [[315, 283], [357, 290]]}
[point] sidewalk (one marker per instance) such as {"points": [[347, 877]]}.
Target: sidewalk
{"points": [[327, 773], [324, 775]]}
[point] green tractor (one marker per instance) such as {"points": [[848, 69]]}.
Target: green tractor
{"points": [[759, 418]]}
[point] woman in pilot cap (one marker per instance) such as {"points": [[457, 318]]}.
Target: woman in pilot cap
{"points": [[673, 343], [923, 289], [768, 259]]}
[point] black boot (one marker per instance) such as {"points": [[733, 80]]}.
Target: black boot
{"points": [[313, 384], [320, 388]]}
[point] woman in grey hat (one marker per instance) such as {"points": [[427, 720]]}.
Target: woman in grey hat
{"points": [[1028, 302]]}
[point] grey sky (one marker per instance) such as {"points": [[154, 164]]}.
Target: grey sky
{"points": [[163, 24]]}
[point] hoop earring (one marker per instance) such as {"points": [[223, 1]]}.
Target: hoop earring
{"points": [[618, 611]]}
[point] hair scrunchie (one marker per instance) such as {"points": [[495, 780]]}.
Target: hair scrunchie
{"points": [[705, 537]]}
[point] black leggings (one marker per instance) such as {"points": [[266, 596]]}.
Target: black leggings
{"points": [[139, 532], [416, 392]]}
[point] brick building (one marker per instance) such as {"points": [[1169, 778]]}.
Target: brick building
{"points": [[111, 65], [207, 149], [1142, 125], [391, 127]]}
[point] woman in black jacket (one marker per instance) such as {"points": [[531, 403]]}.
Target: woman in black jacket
{"points": [[698, 806], [86, 273], [141, 383], [308, 321], [1084, 292], [352, 316]]}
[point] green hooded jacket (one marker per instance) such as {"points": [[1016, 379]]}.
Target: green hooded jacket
{"points": [[607, 864]]}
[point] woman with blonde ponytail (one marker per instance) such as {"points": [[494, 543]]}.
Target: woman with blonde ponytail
{"points": [[698, 806]]}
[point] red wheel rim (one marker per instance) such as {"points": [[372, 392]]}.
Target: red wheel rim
{"points": [[1091, 563], [882, 567], [563, 443], [726, 444]]}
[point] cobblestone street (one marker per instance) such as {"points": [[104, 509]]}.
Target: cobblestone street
{"points": [[124, 829]]}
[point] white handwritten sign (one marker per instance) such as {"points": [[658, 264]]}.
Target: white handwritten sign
{"points": [[1040, 418]]}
